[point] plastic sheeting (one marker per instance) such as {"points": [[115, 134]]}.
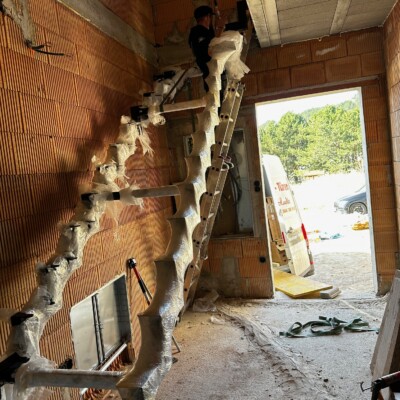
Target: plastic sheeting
{"points": [[227, 50], [52, 276]]}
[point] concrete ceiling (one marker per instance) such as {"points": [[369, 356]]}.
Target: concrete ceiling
{"points": [[285, 21]]}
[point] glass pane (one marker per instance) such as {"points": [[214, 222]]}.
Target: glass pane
{"points": [[108, 315], [83, 335]]}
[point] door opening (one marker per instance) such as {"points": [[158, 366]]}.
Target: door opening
{"points": [[320, 140]]}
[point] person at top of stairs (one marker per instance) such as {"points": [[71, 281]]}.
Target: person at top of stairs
{"points": [[201, 35]]}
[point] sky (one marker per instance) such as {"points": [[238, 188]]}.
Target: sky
{"points": [[274, 110]]}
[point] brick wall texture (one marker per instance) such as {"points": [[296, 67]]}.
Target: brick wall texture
{"points": [[56, 113], [392, 61], [350, 60]]}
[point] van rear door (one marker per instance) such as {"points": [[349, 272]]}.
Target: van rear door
{"points": [[278, 187]]}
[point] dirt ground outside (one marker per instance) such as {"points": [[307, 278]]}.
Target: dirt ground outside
{"points": [[343, 256]]}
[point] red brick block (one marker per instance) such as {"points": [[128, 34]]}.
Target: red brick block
{"points": [[103, 127], [40, 116], [383, 198], [49, 191], [69, 62], [3, 36], [379, 153], [22, 73], [15, 197], [139, 67], [90, 65], [250, 82], [380, 176], [10, 115], [46, 232], [273, 81], [383, 130], [375, 109], [371, 132], [308, 75], [251, 267], [12, 241], [116, 53], [60, 85], [385, 262], [386, 242], [7, 159], [368, 41], [91, 95], [259, 60], [34, 154], [328, 48], [44, 13], [96, 41], [172, 11], [343, 69], [113, 76], [74, 122], [371, 91], [257, 288], [254, 247], [294, 54], [372, 64], [73, 154], [72, 26]]}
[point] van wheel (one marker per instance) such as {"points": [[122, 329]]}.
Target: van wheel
{"points": [[358, 207]]}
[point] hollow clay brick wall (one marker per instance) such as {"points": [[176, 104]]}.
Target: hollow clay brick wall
{"points": [[56, 113], [392, 59], [170, 14], [350, 60]]}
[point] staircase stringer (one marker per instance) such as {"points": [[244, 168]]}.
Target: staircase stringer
{"points": [[158, 321]]}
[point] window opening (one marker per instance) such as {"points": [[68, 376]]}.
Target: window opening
{"points": [[101, 324]]}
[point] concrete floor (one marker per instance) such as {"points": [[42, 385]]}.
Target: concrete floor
{"points": [[244, 357]]}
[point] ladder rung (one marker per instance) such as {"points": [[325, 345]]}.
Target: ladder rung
{"points": [[206, 217]]}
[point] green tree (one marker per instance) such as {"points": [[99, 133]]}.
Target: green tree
{"points": [[326, 138]]}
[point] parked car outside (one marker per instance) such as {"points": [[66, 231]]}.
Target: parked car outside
{"points": [[355, 202]]}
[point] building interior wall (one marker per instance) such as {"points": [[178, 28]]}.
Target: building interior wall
{"points": [[392, 62], [349, 60], [57, 113], [354, 59]]}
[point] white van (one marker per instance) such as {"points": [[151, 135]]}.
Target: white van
{"points": [[293, 232]]}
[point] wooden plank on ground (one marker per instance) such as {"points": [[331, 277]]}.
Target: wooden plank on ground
{"points": [[387, 349], [297, 286]]}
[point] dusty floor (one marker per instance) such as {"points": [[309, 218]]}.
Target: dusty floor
{"points": [[244, 358]]}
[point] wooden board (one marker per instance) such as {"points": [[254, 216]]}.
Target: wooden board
{"points": [[296, 286], [387, 350]]}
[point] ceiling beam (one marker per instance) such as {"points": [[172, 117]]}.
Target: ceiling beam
{"points": [[264, 14], [339, 18]]}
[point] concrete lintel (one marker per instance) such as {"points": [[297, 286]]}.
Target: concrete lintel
{"points": [[98, 15], [265, 19], [339, 18]]}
